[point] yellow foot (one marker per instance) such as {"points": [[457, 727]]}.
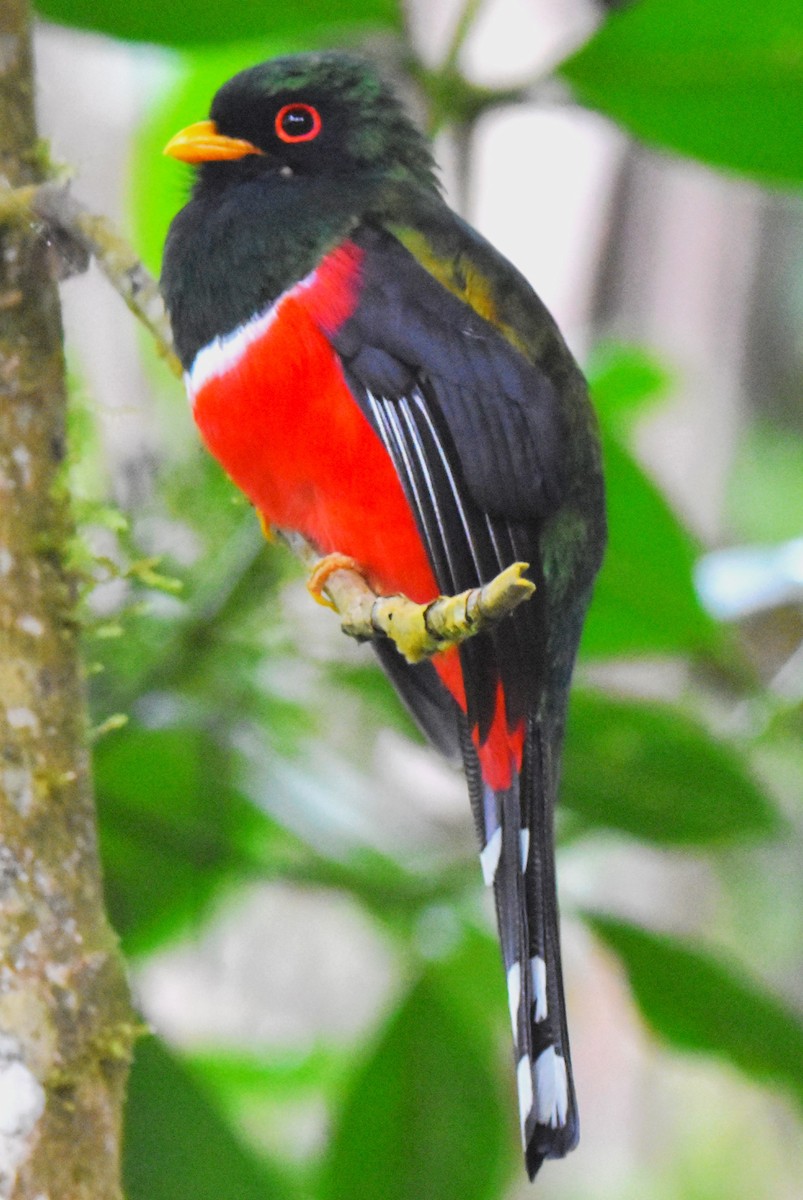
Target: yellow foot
{"points": [[316, 584]]}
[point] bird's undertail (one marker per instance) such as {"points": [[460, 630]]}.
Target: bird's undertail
{"points": [[518, 861]]}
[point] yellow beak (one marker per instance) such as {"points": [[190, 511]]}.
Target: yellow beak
{"points": [[201, 142]]}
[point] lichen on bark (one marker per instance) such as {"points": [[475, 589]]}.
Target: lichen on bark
{"points": [[66, 1026]]}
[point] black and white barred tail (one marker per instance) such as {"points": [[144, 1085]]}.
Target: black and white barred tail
{"points": [[518, 861]]}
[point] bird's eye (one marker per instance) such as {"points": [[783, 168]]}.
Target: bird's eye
{"points": [[298, 123]]}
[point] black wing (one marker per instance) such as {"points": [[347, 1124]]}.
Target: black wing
{"points": [[475, 434]]}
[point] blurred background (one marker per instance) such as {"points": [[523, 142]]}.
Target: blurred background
{"points": [[292, 872]]}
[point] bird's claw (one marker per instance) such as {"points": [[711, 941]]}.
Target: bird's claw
{"points": [[316, 584]]}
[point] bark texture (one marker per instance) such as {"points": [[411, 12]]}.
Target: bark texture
{"points": [[66, 1026]]}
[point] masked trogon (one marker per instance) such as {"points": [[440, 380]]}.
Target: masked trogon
{"points": [[375, 376]]}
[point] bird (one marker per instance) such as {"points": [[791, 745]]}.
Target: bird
{"points": [[376, 377]]}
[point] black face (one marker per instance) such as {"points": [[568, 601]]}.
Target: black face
{"points": [[320, 114], [333, 142], [305, 135]]}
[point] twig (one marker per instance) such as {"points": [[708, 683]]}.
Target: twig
{"points": [[421, 630], [417, 630], [462, 28], [55, 205]]}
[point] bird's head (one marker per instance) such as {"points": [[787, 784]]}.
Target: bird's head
{"points": [[325, 116]]}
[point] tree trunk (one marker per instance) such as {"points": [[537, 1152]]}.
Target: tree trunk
{"points": [[66, 1026]]}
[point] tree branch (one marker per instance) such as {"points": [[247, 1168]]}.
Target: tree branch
{"points": [[54, 204]]}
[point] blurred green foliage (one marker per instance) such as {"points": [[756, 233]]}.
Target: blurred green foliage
{"points": [[193, 792], [665, 778], [427, 1080], [698, 1002], [714, 78], [194, 22], [769, 461], [191, 1150]]}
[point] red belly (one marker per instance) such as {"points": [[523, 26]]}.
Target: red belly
{"points": [[286, 428], [277, 413]]}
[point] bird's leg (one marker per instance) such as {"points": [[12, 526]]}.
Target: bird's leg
{"points": [[323, 569], [417, 630]]}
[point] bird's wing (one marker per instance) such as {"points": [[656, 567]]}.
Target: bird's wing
{"points": [[502, 409], [475, 432]]}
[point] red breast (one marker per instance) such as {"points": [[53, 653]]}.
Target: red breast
{"points": [[272, 405]]}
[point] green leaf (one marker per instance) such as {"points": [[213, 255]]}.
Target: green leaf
{"points": [[176, 1143], [765, 488], [196, 21], [696, 1002], [721, 80], [651, 771], [472, 979], [624, 380], [424, 1117], [235, 1076], [644, 598], [173, 830]]}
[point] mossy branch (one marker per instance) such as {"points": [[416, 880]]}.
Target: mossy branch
{"points": [[67, 1028], [417, 630], [55, 206]]}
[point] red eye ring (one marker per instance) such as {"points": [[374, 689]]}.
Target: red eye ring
{"points": [[300, 110]]}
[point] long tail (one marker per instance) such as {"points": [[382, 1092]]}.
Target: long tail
{"points": [[516, 827]]}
